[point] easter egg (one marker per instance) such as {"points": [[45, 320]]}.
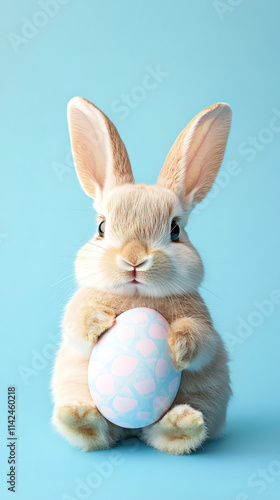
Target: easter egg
{"points": [[131, 376]]}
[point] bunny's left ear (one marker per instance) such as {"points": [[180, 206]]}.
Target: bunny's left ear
{"points": [[193, 162]]}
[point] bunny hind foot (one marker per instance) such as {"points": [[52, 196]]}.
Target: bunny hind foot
{"points": [[180, 431]]}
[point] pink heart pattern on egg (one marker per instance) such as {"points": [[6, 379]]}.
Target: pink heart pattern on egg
{"points": [[124, 365], [131, 376]]}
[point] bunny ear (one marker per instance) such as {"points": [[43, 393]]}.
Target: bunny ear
{"points": [[192, 164], [100, 156]]}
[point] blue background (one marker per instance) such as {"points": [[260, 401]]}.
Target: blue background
{"points": [[227, 51]]}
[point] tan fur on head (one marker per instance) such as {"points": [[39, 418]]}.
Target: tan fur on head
{"points": [[140, 216], [134, 260]]}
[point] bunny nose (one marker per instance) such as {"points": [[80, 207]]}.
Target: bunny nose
{"points": [[134, 256], [144, 265]]}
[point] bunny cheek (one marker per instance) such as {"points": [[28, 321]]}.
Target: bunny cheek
{"points": [[188, 268], [88, 265]]}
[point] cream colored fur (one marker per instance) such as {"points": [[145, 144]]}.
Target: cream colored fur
{"points": [[137, 240]]}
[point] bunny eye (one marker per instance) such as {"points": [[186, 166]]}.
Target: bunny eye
{"points": [[101, 229], [175, 230]]}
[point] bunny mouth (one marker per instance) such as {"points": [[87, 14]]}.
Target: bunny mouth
{"points": [[134, 282]]}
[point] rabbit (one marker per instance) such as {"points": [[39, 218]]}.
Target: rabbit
{"points": [[141, 256]]}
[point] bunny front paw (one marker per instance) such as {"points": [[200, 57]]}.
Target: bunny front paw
{"points": [[96, 322], [182, 342]]}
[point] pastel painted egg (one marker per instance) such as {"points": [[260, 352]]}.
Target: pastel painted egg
{"points": [[131, 376]]}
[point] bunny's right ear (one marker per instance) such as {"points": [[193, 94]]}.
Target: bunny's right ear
{"points": [[100, 156]]}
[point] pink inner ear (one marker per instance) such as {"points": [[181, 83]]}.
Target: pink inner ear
{"points": [[89, 138], [195, 155], [95, 138], [97, 172], [99, 154]]}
